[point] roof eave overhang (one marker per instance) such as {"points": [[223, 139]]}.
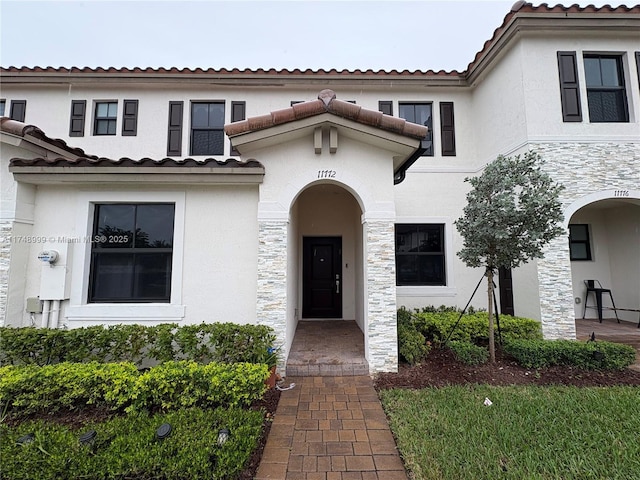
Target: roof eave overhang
{"points": [[563, 23], [402, 146], [40, 147], [52, 175]]}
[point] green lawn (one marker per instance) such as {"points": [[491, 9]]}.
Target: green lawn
{"points": [[528, 432]]}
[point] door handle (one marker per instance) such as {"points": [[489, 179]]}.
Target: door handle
{"points": [[337, 284]]}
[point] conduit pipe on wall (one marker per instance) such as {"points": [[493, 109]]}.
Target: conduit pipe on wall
{"points": [[55, 314], [46, 308]]}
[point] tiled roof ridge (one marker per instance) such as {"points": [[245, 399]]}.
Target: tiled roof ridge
{"points": [[23, 130], [519, 6], [327, 102], [128, 162]]}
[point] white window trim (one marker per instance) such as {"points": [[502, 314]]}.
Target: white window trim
{"points": [[79, 309], [448, 290]]}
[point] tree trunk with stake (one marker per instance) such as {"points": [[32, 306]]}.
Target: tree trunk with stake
{"points": [[492, 343]]}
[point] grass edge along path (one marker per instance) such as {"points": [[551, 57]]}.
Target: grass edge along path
{"points": [[527, 432]]}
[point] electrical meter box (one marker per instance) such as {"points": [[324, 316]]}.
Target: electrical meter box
{"points": [[55, 278]]}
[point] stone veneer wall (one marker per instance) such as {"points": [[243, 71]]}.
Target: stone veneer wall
{"points": [[583, 168], [380, 296], [272, 278], [6, 227]]}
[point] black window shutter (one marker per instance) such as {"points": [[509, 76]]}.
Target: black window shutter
{"points": [[18, 108], [447, 129], [78, 111], [638, 65], [238, 113], [386, 107], [174, 142], [130, 118], [569, 88]]}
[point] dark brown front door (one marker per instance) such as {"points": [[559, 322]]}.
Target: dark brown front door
{"points": [[322, 277], [506, 291]]}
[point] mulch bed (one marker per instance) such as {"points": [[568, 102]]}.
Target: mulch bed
{"points": [[442, 369]]}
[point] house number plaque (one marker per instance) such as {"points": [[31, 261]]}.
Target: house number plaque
{"points": [[621, 193], [326, 174]]}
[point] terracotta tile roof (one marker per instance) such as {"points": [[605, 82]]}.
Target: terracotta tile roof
{"points": [[23, 130], [128, 162], [519, 8], [328, 103]]}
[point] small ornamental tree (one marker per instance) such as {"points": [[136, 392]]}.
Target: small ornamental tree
{"points": [[512, 212]]}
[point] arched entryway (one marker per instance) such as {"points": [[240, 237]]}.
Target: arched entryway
{"points": [[605, 245], [327, 248]]}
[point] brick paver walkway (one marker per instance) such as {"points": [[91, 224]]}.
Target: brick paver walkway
{"points": [[330, 428]]}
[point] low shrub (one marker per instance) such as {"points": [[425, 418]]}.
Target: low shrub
{"points": [[140, 344], [590, 355], [468, 353], [412, 346], [28, 389], [127, 447], [472, 327]]}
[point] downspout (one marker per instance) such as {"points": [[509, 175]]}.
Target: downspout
{"points": [[400, 174], [46, 308]]}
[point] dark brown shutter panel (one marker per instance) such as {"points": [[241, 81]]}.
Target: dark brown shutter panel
{"points": [[78, 111], [569, 87], [386, 107], [18, 109], [447, 129], [174, 142], [130, 118], [638, 65], [238, 113]]}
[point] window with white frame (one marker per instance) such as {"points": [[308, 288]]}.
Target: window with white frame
{"points": [[420, 254], [131, 254]]}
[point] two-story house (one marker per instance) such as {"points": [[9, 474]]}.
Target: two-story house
{"points": [[274, 196]]}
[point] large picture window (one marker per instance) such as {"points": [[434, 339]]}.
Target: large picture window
{"points": [[420, 254], [207, 124], [132, 253]]}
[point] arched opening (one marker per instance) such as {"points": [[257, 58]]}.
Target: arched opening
{"points": [[326, 282], [604, 244]]}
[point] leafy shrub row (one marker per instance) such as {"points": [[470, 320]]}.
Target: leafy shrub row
{"points": [[126, 447], [590, 355], [420, 329], [140, 344], [170, 385]]}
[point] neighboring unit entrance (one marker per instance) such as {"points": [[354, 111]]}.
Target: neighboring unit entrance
{"points": [[322, 277]]}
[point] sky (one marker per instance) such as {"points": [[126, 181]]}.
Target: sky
{"points": [[304, 34]]}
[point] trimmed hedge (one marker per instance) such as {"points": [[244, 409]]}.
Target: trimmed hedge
{"points": [[469, 353], [175, 384], [591, 355], [127, 448], [473, 327], [139, 344]]}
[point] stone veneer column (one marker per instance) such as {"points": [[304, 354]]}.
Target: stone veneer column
{"points": [[272, 278], [583, 169], [380, 296]]}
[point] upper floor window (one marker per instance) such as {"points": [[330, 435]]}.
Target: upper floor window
{"points": [[420, 254], [420, 113], [207, 123], [579, 245], [2, 107], [105, 118], [132, 255], [605, 88]]}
